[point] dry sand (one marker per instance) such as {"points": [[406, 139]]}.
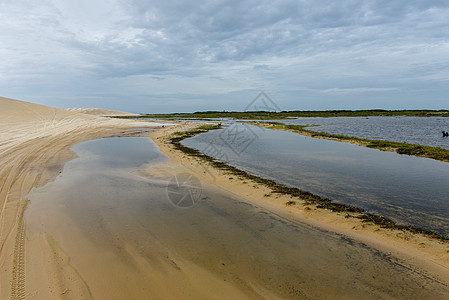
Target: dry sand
{"points": [[99, 111], [35, 143]]}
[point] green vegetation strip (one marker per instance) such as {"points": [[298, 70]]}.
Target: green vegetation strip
{"points": [[436, 153], [266, 115], [307, 197]]}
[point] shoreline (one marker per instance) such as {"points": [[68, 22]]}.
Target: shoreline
{"points": [[33, 152], [428, 254]]}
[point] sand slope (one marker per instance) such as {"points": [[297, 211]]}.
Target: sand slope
{"points": [[99, 111]]}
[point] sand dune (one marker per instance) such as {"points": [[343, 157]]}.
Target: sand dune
{"points": [[35, 143]]}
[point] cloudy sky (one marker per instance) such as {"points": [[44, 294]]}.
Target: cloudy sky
{"points": [[171, 55]]}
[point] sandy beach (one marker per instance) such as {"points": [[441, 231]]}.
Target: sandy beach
{"points": [[35, 253]]}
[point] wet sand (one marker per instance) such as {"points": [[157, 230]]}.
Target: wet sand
{"points": [[237, 244]]}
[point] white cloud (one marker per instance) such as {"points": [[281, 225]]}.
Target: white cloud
{"points": [[356, 90]]}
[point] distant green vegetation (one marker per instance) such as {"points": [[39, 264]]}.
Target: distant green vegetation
{"points": [[265, 115], [307, 197], [436, 153]]}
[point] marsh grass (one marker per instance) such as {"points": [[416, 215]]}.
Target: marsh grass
{"points": [[307, 197], [436, 153]]}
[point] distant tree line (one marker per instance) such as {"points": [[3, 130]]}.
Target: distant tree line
{"points": [[265, 115]]}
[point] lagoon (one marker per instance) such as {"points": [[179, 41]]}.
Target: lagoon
{"points": [[409, 190]]}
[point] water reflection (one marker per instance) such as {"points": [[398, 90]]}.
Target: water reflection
{"points": [[410, 190]]}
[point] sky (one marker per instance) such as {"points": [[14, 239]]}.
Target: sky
{"points": [[163, 56]]}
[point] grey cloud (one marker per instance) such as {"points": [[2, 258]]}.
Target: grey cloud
{"points": [[298, 46], [191, 33]]}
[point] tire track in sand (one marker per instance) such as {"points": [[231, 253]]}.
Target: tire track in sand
{"points": [[18, 287], [18, 271]]}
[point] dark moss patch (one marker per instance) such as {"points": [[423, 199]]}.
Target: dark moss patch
{"points": [[388, 223]]}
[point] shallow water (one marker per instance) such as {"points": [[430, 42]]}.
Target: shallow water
{"points": [[97, 198], [412, 130], [409, 190]]}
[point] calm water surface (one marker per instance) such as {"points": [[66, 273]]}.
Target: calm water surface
{"points": [[244, 245], [412, 130], [409, 190]]}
